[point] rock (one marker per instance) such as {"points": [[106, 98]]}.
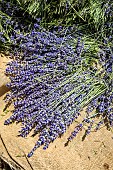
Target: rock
{"points": [[3, 78]]}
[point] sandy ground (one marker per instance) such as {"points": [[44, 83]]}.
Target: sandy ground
{"points": [[94, 153]]}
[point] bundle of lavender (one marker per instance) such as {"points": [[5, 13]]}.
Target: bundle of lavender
{"points": [[49, 84], [51, 81]]}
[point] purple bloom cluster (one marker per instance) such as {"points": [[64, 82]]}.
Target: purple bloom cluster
{"points": [[44, 83], [103, 104], [103, 108], [108, 13], [76, 131]]}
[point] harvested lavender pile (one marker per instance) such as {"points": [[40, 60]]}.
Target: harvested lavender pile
{"points": [[102, 103], [44, 85], [51, 81]]}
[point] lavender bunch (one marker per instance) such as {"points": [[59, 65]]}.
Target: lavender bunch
{"points": [[104, 103], [101, 105], [49, 111], [44, 84], [39, 96]]}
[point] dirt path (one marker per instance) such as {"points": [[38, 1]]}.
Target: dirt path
{"points": [[94, 153]]}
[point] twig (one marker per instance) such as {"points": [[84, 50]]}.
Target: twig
{"points": [[28, 162], [26, 158], [9, 153]]}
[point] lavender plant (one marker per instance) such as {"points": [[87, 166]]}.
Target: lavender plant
{"points": [[39, 84], [100, 106], [51, 80]]}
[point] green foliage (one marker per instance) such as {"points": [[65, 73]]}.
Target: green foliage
{"points": [[64, 11]]}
